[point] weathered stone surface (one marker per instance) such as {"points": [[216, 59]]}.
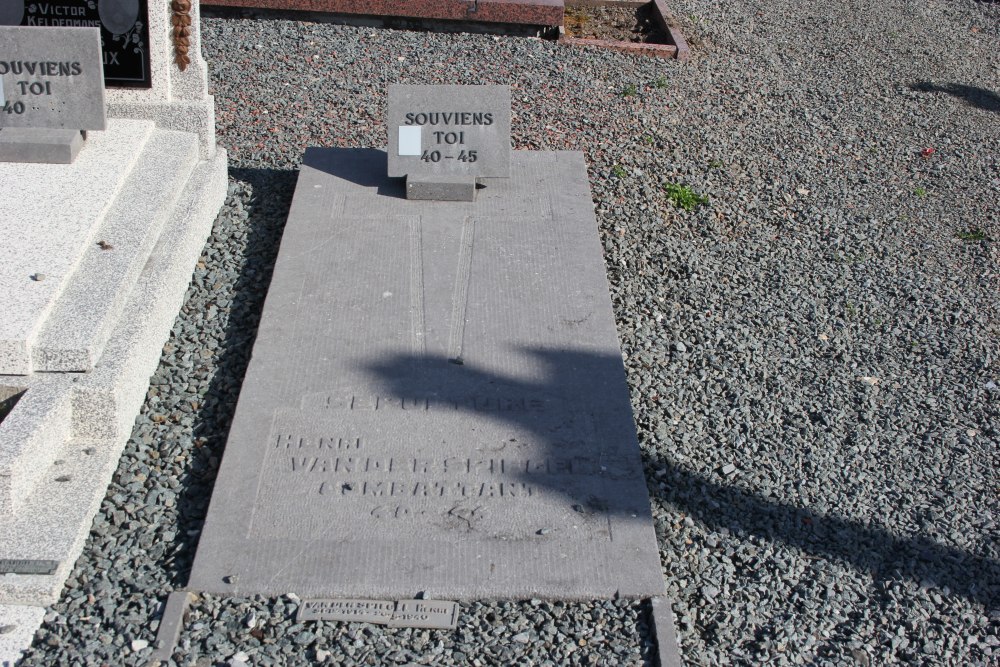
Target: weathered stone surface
{"points": [[171, 622], [436, 401], [51, 78], [48, 217], [359, 611], [52, 522], [21, 623], [449, 131], [396, 614]]}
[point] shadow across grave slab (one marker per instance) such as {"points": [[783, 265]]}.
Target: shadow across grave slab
{"points": [[436, 402]]}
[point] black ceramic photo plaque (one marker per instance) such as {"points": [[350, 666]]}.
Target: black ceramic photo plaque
{"points": [[124, 26]]}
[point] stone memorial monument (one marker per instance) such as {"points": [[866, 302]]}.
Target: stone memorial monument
{"points": [[436, 402], [97, 255]]}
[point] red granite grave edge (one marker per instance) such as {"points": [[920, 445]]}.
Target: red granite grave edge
{"points": [[669, 25], [525, 12], [677, 49]]}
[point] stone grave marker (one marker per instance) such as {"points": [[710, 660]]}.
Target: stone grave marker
{"points": [[436, 401], [442, 138], [51, 88], [123, 25]]}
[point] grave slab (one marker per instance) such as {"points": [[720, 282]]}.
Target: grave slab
{"points": [[436, 401]]}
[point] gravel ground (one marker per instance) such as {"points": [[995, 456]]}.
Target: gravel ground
{"points": [[812, 352]]}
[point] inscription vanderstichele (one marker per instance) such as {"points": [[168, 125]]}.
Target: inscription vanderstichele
{"points": [[505, 478], [612, 466]]}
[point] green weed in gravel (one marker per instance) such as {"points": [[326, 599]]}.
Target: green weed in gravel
{"points": [[684, 197], [618, 171], [975, 234]]}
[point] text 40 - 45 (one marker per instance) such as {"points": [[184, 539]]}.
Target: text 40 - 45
{"points": [[15, 108], [435, 156]]}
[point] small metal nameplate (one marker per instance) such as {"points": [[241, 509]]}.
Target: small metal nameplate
{"points": [[424, 614], [27, 566], [401, 614]]}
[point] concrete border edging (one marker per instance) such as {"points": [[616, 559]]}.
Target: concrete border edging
{"points": [[667, 649]]}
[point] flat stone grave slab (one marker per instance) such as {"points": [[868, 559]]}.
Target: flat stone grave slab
{"points": [[436, 405]]}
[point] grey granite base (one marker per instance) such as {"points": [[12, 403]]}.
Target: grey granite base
{"points": [[441, 188], [436, 401], [39, 146]]}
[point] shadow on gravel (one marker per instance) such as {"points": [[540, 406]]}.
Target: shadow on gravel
{"points": [[867, 547], [978, 97], [572, 378], [260, 221]]}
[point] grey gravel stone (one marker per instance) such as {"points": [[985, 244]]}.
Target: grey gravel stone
{"points": [[861, 527]]}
